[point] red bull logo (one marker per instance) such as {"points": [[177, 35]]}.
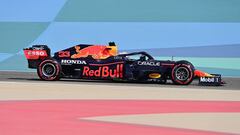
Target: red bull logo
{"points": [[97, 52], [104, 71]]}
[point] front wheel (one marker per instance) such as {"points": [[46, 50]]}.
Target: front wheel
{"points": [[49, 70], [182, 74]]}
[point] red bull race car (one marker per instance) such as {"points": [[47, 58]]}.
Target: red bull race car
{"points": [[103, 62]]}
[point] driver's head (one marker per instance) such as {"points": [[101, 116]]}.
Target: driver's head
{"points": [[142, 58]]}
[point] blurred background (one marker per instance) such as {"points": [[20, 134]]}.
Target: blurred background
{"points": [[205, 32]]}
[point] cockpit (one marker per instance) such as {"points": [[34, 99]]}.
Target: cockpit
{"points": [[142, 56]]}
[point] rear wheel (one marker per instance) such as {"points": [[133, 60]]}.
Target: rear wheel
{"points": [[49, 70], [183, 73]]}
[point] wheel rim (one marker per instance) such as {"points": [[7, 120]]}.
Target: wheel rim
{"points": [[182, 73], [48, 69]]}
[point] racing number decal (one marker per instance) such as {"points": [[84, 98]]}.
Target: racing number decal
{"points": [[64, 54]]}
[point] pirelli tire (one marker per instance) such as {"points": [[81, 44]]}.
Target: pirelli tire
{"points": [[182, 73], [49, 70]]}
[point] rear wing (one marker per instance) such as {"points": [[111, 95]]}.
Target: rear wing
{"points": [[36, 54]]}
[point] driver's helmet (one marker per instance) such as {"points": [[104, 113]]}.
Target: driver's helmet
{"points": [[142, 57]]}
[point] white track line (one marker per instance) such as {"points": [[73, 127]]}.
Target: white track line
{"points": [[53, 90]]}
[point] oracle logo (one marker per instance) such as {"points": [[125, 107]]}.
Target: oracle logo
{"points": [[148, 63], [104, 71]]}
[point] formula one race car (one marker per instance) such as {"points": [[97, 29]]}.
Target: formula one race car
{"points": [[103, 62]]}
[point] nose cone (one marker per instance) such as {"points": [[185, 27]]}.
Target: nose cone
{"points": [[199, 73]]}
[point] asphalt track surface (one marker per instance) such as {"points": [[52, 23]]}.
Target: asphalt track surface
{"points": [[29, 106], [231, 83]]}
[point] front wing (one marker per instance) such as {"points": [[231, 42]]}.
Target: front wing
{"points": [[214, 80]]}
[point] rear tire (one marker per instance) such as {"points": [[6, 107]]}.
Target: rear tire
{"points": [[182, 73], [49, 70]]}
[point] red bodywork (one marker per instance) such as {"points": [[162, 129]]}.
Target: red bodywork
{"points": [[35, 54], [199, 73], [97, 52]]}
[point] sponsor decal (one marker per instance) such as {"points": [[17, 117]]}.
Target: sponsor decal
{"points": [[207, 79], [118, 58], [167, 64], [154, 75], [210, 80], [148, 63], [64, 54], [70, 62], [104, 71], [96, 51], [35, 54], [38, 47]]}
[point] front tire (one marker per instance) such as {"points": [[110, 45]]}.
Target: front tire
{"points": [[49, 70], [183, 73]]}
